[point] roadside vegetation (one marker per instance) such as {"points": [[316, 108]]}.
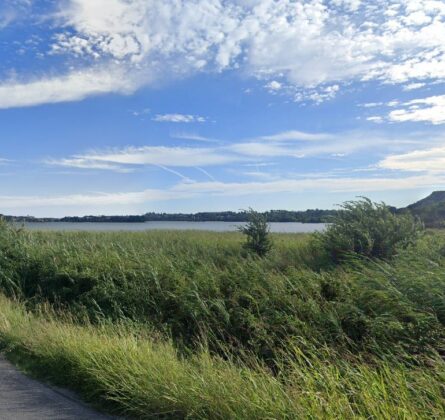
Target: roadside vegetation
{"points": [[349, 323]]}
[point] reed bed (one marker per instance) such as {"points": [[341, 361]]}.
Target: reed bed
{"points": [[191, 325]]}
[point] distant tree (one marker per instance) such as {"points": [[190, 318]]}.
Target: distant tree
{"points": [[257, 233]]}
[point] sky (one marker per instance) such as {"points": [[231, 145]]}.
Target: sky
{"points": [[133, 106]]}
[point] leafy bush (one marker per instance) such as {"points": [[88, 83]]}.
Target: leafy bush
{"points": [[257, 233], [369, 229]]}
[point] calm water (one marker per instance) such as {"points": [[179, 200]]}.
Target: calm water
{"points": [[137, 227]]}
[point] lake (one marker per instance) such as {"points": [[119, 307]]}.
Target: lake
{"points": [[138, 227]]}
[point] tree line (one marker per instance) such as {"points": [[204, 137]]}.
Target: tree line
{"points": [[307, 216]]}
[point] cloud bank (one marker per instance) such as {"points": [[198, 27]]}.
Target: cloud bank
{"points": [[309, 49]]}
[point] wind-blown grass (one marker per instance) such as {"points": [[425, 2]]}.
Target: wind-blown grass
{"points": [[143, 376], [189, 324], [203, 286]]}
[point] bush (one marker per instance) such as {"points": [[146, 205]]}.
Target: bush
{"points": [[369, 229], [257, 233]]}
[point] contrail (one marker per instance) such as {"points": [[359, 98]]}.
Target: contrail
{"points": [[185, 178], [206, 173]]}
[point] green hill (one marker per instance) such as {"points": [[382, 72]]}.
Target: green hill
{"points": [[430, 209]]}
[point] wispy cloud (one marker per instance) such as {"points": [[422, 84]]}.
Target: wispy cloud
{"points": [[150, 155], [376, 119], [99, 199], [187, 190], [179, 118], [333, 184], [264, 176], [141, 113], [295, 135], [73, 86], [194, 137], [263, 149], [428, 160], [7, 16], [413, 86], [12, 10], [324, 144], [85, 163], [292, 144]]}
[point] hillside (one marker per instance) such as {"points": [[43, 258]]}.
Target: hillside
{"points": [[436, 197], [430, 209]]}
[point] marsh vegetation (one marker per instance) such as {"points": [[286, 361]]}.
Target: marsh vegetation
{"points": [[349, 323]]}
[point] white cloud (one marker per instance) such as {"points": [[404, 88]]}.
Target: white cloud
{"points": [[73, 86], [431, 109], [194, 137], [312, 46], [141, 113], [261, 149], [413, 86], [376, 119], [185, 190], [371, 104], [150, 155], [179, 118], [100, 199], [417, 18], [85, 163], [289, 144], [429, 160], [298, 136], [360, 185], [264, 176], [323, 144], [273, 85], [319, 95], [350, 5]]}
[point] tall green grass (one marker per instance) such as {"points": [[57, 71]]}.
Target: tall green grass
{"points": [[196, 287], [191, 325], [133, 372]]}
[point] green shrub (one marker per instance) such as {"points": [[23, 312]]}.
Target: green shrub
{"points": [[369, 229], [257, 233]]}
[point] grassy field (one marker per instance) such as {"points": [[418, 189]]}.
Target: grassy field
{"points": [[190, 324]]}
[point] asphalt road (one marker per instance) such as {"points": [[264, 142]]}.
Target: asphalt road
{"points": [[22, 398]]}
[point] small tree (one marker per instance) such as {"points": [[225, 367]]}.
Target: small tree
{"points": [[370, 229], [257, 233]]}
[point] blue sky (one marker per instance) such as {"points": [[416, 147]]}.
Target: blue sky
{"points": [[129, 106]]}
